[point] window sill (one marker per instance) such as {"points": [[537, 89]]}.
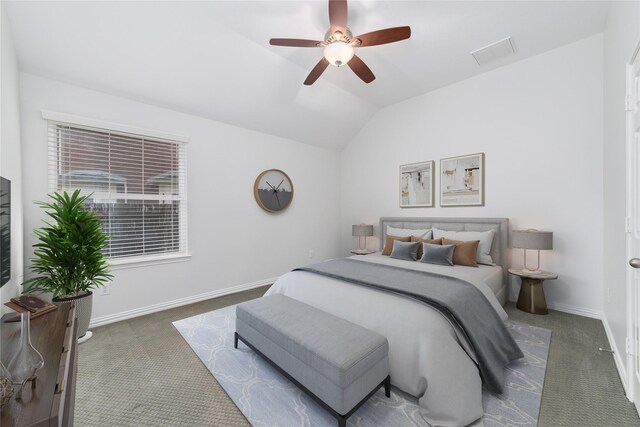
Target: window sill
{"points": [[120, 264]]}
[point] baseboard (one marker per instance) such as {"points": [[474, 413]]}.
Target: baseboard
{"points": [[587, 312], [579, 311], [617, 356], [111, 318]]}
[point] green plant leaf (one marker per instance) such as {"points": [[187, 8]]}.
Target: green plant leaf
{"points": [[68, 256]]}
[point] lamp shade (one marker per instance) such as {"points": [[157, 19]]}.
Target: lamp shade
{"points": [[362, 230], [532, 239], [338, 53]]}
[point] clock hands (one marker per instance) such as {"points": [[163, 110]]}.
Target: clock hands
{"points": [[275, 189]]}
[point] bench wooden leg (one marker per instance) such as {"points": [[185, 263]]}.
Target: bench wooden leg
{"points": [[387, 386], [235, 340], [342, 421]]}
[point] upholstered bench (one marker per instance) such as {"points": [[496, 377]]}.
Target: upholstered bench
{"points": [[338, 363]]}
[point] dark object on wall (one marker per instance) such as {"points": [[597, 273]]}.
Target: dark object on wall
{"points": [[273, 190], [5, 231]]}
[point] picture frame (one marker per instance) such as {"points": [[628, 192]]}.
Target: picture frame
{"points": [[462, 180], [417, 184]]}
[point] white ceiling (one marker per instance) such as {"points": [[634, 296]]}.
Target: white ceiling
{"points": [[213, 59]]}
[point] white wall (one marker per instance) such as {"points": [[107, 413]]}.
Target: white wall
{"points": [[620, 39], [539, 123], [232, 240], [10, 158]]}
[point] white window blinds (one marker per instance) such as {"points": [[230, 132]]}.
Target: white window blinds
{"points": [[137, 186]]}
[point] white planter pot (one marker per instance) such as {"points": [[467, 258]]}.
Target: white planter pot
{"points": [[84, 305]]}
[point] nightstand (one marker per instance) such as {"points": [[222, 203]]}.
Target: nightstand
{"points": [[531, 297], [362, 251]]}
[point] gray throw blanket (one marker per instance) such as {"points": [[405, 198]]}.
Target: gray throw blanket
{"points": [[459, 301]]}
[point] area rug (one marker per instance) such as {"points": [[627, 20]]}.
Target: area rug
{"points": [[267, 398]]}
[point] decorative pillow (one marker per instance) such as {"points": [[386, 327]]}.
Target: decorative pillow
{"points": [[405, 250], [403, 232], [438, 254], [388, 244], [483, 256], [465, 252], [421, 241]]}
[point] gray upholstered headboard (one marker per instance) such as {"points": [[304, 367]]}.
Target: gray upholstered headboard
{"points": [[499, 248]]}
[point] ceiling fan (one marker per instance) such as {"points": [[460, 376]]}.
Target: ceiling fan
{"points": [[339, 44]]}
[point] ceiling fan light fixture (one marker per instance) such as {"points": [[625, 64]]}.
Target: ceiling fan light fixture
{"points": [[338, 53], [339, 44]]}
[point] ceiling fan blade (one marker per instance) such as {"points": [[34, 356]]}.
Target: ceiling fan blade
{"points": [[361, 69], [338, 15], [388, 35], [316, 72], [294, 42]]}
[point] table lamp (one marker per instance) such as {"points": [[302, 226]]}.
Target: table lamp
{"points": [[362, 230], [532, 239]]}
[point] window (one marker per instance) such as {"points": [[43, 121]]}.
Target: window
{"points": [[137, 186]]}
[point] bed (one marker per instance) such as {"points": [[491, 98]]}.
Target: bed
{"points": [[429, 357]]}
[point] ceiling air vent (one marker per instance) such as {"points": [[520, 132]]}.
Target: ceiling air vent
{"points": [[498, 50]]}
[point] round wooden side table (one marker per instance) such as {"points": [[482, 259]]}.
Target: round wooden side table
{"points": [[531, 297]]}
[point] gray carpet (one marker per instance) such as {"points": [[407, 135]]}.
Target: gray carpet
{"points": [[582, 386], [140, 372]]}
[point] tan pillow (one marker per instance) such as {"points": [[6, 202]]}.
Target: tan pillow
{"points": [[465, 252], [417, 239], [388, 244]]}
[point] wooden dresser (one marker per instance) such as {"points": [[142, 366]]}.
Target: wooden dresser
{"points": [[51, 403]]}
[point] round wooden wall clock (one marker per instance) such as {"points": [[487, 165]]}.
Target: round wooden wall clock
{"points": [[273, 190]]}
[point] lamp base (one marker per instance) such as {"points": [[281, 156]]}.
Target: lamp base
{"points": [[526, 270]]}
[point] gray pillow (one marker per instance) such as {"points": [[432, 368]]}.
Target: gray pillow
{"points": [[405, 250], [437, 254]]}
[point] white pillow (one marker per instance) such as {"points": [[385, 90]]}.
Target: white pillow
{"points": [[404, 232], [484, 247]]}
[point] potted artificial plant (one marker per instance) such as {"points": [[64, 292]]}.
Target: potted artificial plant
{"points": [[68, 257]]}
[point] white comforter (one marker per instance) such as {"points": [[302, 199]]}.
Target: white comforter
{"points": [[427, 356]]}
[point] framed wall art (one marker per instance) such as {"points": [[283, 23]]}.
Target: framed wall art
{"points": [[416, 185], [462, 180]]}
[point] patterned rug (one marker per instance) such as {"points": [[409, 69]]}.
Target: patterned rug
{"points": [[267, 398]]}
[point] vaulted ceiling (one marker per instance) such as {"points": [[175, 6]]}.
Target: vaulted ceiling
{"points": [[213, 59]]}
